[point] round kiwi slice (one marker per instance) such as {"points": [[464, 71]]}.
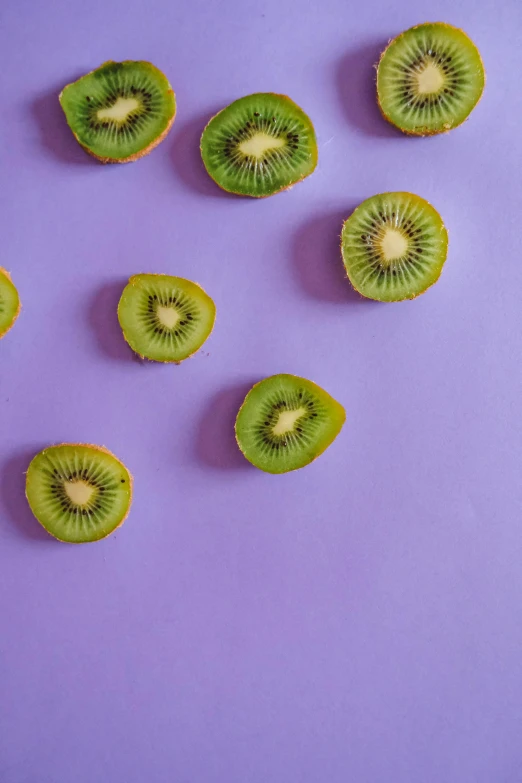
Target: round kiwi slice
{"points": [[165, 318], [120, 111], [429, 79], [286, 422], [394, 246], [78, 492], [259, 145], [9, 302]]}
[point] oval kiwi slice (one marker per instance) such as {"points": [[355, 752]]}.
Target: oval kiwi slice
{"points": [[9, 302], [286, 422], [120, 111], [394, 246], [429, 79], [78, 492], [165, 318], [259, 145]]}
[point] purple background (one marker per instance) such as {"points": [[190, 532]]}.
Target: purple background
{"points": [[359, 620]]}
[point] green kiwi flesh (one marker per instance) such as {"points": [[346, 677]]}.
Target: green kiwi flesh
{"points": [[120, 111], [259, 145], [286, 422], [429, 79], [394, 246], [165, 318], [79, 493], [9, 302]]}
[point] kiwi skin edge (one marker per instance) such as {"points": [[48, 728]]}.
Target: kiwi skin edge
{"points": [[326, 446], [137, 155], [428, 131], [408, 298], [6, 274], [165, 361], [248, 195], [131, 483]]}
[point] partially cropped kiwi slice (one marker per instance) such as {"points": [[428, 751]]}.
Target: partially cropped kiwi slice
{"points": [[165, 318], [286, 422], [9, 302], [78, 493], [120, 111], [259, 145], [394, 246], [429, 79]]}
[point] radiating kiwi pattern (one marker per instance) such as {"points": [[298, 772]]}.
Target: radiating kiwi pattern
{"points": [[165, 318], [394, 246], [259, 145], [120, 111], [286, 422], [429, 79], [78, 492]]}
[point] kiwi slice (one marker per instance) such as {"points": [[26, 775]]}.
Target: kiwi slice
{"points": [[78, 492], [259, 145], [394, 246], [429, 79], [165, 318], [286, 422], [120, 111], [9, 302]]}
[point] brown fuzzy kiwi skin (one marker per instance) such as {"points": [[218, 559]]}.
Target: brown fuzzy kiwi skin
{"points": [[406, 298], [165, 361], [323, 449], [131, 484], [6, 274], [427, 131], [253, 195], [137, 155]]}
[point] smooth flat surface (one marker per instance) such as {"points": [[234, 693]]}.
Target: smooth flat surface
{"points": [[358, 621]]}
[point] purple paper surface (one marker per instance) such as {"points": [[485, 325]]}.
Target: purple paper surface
{"points": [[356, 621]]}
